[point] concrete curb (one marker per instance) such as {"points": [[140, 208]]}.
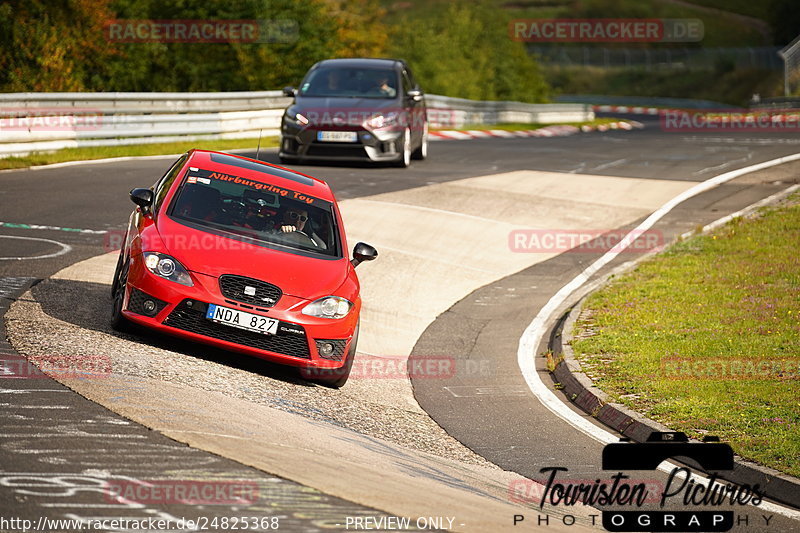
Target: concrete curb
{"points": [[580, 389]]}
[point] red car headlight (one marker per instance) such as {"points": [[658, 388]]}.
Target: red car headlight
{"points": [[167, 267], [329, 307]]}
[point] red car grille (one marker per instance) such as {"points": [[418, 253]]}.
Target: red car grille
{"points": [[248, 290], [193, 319]]}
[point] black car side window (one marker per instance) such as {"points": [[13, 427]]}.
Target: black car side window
{"points": [[165, 183]]}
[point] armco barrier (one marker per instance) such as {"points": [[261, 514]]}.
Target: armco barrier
{"points": [[37, 122], [445, 111]]}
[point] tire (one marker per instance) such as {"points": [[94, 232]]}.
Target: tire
{"points": [[422, 151], [405, 156], [336, 377], [118, 320]]}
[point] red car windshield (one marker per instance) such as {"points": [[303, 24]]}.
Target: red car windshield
{"points": [[251, 210]]}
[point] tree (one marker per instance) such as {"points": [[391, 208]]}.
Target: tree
{"points": [[54, 45], [62, 45], [465, 51]]}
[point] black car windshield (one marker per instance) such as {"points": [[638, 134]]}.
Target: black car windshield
{"points": [[350, 82], [255, 211]]}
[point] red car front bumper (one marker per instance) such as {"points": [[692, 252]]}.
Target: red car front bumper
{"points": [[180, 311]]}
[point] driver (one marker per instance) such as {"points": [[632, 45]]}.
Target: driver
{"points": [[294, 219]]}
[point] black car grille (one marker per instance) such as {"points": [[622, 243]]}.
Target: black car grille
{"points": [[290, 339], [233, 287], [336, 150]]}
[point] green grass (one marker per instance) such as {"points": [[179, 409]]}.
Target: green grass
{"points": [[81, 154], [733, 296], [521, 126]]}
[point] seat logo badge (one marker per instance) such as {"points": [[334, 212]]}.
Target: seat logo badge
{"points": [[249, 291]]}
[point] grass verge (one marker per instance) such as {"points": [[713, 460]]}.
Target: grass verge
{"points": [[705, 337], [102, 152]]}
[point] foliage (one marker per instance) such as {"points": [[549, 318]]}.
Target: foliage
{"points": [[465, 51], [60, 45], [53, 45], [785, 19]]}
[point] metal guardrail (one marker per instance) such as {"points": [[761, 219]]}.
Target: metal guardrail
{"points": [[445, 111], [140, 103], [36, 122]]}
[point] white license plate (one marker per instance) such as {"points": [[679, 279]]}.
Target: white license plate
{"points": [[337, 136], [240, 319]]}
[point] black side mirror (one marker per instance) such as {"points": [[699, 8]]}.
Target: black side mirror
{"points": [[414, 94], [289, 91], [143, 198], [363, 252]]}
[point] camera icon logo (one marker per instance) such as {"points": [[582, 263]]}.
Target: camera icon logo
{"points": [[711, 454]]}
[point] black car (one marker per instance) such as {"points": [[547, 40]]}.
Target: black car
{"points": [[356, 110]]}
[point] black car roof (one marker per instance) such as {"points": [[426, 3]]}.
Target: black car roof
{"points": [[362, 62]]}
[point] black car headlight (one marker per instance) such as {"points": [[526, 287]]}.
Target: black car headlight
{"points": [[297, 119], [167, 267], [383, 121]]}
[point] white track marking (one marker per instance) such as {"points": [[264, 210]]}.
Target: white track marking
{"points": [[65, 248], [13, 225], [537, 328]]}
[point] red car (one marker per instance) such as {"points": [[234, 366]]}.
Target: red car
{"points": [[245, 256]]}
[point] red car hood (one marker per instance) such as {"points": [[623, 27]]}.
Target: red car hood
{"points": [[294, 274]]}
